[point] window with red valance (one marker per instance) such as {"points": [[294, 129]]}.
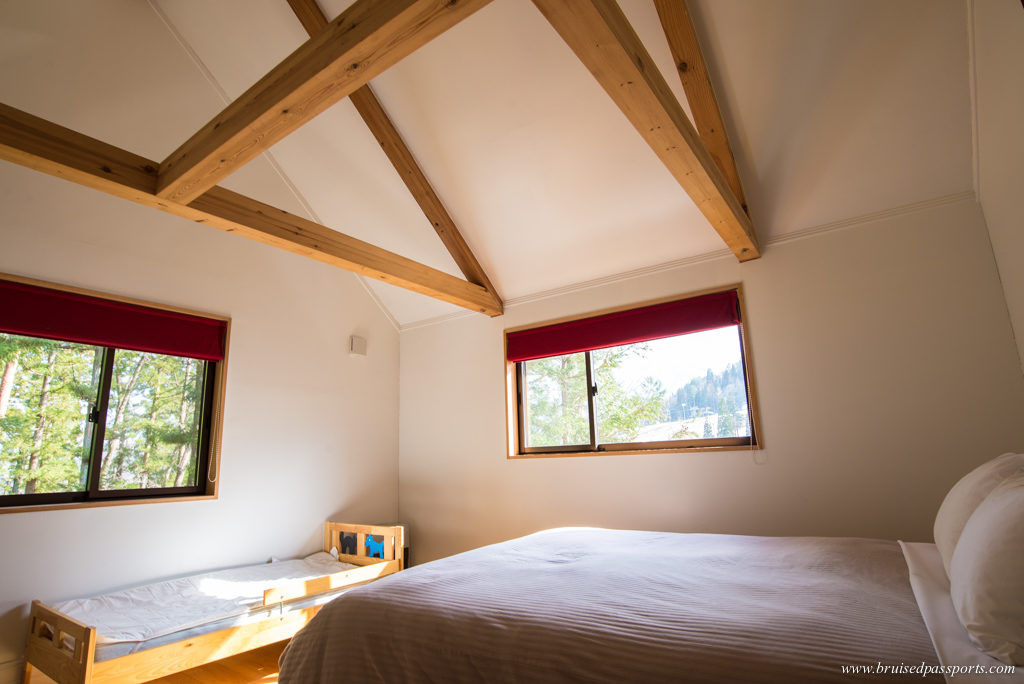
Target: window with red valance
{"points": [[665, 376], [104, 399]]}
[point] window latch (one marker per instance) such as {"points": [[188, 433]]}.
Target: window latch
{"points": [[593, 390], [94, 414]]}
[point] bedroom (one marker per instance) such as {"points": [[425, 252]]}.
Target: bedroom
{"points": [[884, 197]]}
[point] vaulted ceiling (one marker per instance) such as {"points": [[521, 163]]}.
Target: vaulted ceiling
{"points": [[542, 144]]}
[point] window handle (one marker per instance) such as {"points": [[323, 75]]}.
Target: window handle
{"points": [[94, 413], [593, 390]]}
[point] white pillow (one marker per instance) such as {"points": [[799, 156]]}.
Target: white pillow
{"points": [[987, 573], [965, 496]]}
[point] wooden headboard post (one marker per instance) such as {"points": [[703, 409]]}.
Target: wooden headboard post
{"points": [[60, 647], [391, 542]]}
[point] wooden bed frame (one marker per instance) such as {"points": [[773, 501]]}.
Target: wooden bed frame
{"points": [[64, 649]]}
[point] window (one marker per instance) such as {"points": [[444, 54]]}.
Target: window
{"points": [[667, 376], [103, 400]]}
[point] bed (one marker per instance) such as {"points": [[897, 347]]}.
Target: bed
{"points": [[597, 605], [146, 632]]}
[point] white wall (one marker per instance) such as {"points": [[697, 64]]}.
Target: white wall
{"points": [[309, 432], [999, 98], [885, 369]]}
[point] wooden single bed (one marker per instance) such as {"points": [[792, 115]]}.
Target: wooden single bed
{"points": [[65, 648]]}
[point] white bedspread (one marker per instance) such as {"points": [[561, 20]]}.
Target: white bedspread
{"points": [[155, 610], [593, 605]]}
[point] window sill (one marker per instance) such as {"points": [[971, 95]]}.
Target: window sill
{"points": [[631, 450], [111, 502]]}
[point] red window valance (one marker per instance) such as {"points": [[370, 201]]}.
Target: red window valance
{"points": [[667, 319], [55, 314]]}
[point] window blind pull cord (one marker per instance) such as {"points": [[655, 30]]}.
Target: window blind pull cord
{"points": [[211, 473]]}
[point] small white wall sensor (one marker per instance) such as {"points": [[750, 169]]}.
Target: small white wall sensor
{"points": [[356, 346]]}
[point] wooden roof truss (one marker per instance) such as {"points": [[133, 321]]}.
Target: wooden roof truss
{"points": [[338, 61]]}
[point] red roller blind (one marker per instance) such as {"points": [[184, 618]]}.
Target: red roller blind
{"points": [[54, 314], [680, 317]]}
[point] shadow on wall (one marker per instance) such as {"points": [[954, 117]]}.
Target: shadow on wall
{"points": [[13, 620]]}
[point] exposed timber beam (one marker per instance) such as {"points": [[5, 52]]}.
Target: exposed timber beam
{"points": [[44, 146], [377, 120], [401, 158], [600, 35], [693, 72], [239, 214], [309, 15], [358, 45]]}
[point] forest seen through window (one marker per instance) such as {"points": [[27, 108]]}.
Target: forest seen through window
{"points": [[51, 394], [687, 387]]}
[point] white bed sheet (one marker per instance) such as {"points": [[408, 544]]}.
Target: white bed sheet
{"points": [[116, 649], [149, 612], [952, 644]]}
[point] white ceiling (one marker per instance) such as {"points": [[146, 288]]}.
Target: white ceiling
{"points": [[836, 109]]}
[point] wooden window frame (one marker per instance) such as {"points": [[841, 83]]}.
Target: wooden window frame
{"points": [[210, 430], [515, 391]]}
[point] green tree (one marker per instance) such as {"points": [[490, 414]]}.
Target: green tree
{"points": [[557, 406], [621, 412], [556, 392], [46, 392], [153, 422], [42, 422], [726, 418]]}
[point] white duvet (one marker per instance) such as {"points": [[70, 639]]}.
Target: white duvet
{"points": [[162, 608], [589, 605]]}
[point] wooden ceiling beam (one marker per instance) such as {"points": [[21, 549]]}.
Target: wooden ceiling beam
{"points": [[600, 35], [238, 214], [693, 72], [358, 45], [44, 146], [309, 15], [415, 180], [377, 120]]}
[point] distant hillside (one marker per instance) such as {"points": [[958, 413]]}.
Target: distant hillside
{"points": [[721, 394]]}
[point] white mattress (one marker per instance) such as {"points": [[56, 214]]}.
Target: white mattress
{"points": [[151, 615], [116, 649], [952, 644]]}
